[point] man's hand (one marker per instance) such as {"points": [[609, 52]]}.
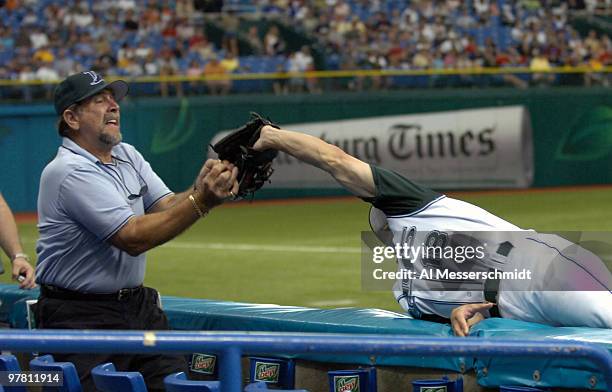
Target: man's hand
{"points": [[208, 165], [216, 183], [21, 267], [463, 317]]}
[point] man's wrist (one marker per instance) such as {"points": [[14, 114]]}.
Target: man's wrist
{"points": [[198, 205], [20, 255]]}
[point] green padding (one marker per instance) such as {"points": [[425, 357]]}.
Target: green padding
{"points": [[197, 314], [576, 373], [194, 314], [12, 305]]}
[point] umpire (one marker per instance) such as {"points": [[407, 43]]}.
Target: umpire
{"points": [[101, 207]]}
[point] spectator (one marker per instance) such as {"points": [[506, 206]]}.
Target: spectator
{"points": [[254, 40], [280, 85], [151, 67], [204, 49], [142, 52], [38, 38], [130, 23], [273, 43], [43, 55], [230, 62], [194, 72], [168, 68], [65, 64], [184, 29], [214, 73], [184, 9], [541, 68], [230, 24]]}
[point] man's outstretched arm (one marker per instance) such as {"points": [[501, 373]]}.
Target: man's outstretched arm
{"points": [[350, 172]]}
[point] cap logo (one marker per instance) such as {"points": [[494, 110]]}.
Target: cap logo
{"points": [[95, 78]]}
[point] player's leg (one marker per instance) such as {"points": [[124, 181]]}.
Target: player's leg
{"points": [[570, 286]]}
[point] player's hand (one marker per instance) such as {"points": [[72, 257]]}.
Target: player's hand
{"points": [[463, 317], [21, 268], [265, 138], [216, 182]]}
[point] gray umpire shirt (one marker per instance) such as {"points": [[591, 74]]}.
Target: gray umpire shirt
{"points": [[82, 202]]}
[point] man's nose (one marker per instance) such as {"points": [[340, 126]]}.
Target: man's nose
{"points": [[113, 106]]}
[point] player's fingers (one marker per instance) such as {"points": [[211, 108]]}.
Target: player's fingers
{"points": [[478, 317], [481, 307], [458, 329], [458, 322]]}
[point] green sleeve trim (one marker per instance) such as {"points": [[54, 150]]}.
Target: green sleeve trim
{"points": [[396, 195]]}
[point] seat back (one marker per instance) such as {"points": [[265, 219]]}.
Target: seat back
{"points": [[108, 379], [255, 386], [178, 382], [71, 378], [9, 363]]}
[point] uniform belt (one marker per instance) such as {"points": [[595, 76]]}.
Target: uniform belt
{"points": [[434, 318], [60, 293]]}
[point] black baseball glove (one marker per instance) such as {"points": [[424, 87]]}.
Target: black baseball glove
{"points": [[254, 167]]}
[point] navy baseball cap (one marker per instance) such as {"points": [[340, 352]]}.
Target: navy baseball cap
{"points": [[78, 87]]}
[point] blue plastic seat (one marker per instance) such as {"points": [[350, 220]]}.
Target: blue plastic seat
{"points": [[9, 363], [70, 375], [255, 386], [178, 382], [260, 385], [108, 379]]}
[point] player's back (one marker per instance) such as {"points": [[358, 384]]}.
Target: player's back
{"points": [[447, 222]]}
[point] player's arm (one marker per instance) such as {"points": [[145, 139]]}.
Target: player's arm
{"points": [[141, 233], [350, 172]]}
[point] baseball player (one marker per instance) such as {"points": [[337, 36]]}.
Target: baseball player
{"points": [[570, 285]]}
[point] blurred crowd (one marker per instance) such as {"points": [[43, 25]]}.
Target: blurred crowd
{"points": [[47, 40], [454, 34]]}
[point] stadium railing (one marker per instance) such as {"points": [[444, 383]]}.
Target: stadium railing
{"points": [[338, 74], [231, 345]]}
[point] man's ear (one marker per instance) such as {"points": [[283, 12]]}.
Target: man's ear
{"points": [[71, 118]]}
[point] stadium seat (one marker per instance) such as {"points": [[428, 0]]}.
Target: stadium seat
{"points": [[255, 386], [71, 378], [259, 385], [178, 382], [108, 379], [9, 363]]}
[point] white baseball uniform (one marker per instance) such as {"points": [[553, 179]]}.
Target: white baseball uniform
{"points": [[570, 286]]}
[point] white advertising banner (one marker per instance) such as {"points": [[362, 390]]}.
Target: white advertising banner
{"points": [[476, 148]]}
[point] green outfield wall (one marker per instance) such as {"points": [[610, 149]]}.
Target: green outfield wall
{"points": [[572, 130]]}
